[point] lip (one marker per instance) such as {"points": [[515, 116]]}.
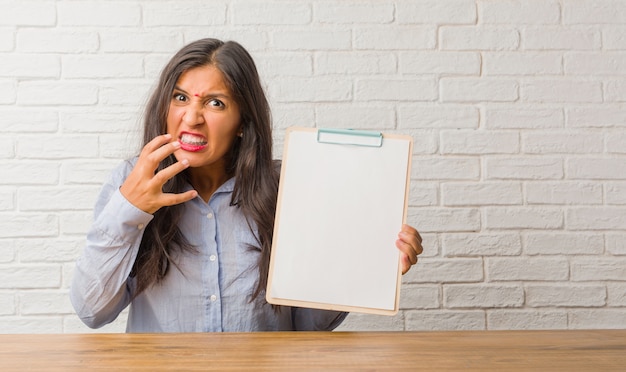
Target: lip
{"points": [[199, 144]]}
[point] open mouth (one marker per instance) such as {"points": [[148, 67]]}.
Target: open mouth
{"points": [[192, 142]]}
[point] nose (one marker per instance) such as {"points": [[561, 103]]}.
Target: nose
{"points": [[194, 115]]}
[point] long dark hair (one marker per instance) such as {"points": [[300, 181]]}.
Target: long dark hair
{"points": [[250, 158]]}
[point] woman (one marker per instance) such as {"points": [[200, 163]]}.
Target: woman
{"points": [[182, 233]]}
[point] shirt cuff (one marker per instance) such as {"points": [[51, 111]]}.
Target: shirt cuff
{"points": [[122, 220]]}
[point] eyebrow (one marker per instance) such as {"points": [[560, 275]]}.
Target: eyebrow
{"points": [[219, 95]]}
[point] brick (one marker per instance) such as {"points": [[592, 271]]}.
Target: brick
{"points": [[437, 11], [419, 296], [527, 269], [615, 193], [616, 294], [356, 322], [573, 193], [598, 268], [7, 92], [50, 40], [49, 250], [479, 142], [482, 296], [616, 243], [556, 91], [522, 63], [566, 295], [395, 38], [478, 38], [481, 244], [120, 146], [8, 305], [593, 12], [522, 117], [57, 199], [27, 66], [442, 168], [425, 142], [458, 270], [586, 64], [22, 225], [76, 222], [7, 39], [439, 116], [318, 90], [30, 276], [520, 12], [352, 13], [57, 147], [591, 168], [286, 115], [596, 117], [396, 90], [57, 93], [596, 218], [522, 218], [369, 63], [597, 319], [312, 40], [153, 41], [28, 13], [97, 121], [355, 116], [102, 66], [133, 95], [500, 319], [562, 142], [444, 320], [279, 65], [478, 89], [98, 13], [561, 38], [13, 120], [482, 193], [7, 146], [423, 195], [81, 172], [615, 90], [614, 37], [263, 13], [448, 63], [7, 200], [22, 172], [445, 219], [521, 168], [31, 324], [48, 302]]}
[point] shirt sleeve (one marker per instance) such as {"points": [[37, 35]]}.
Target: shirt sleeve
{"points": [[305, 319], [101, 287]]}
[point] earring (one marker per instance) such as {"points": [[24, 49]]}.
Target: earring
{"points": [[240, 134]]}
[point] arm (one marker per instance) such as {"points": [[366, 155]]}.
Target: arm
{"points": [[101, 287]]}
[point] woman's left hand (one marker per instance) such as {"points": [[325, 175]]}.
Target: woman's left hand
{"points": [[410, 245]]}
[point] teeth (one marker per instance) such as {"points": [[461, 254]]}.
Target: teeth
{"points": [[192, 140]]}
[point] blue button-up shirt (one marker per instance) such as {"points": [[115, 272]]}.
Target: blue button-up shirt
{"points": [[208, 290]]}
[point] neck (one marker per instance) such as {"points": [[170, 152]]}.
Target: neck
{"points": [[207, 180]]}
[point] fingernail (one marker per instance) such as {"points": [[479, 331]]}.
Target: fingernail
{"points": [[185, 162], [176, 144]]}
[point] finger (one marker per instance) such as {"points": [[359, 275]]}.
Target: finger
{"points": [[411, 231], [173, 199], [405, 264], [414, 240], [156, 143], [407, 250], [165, 174]]}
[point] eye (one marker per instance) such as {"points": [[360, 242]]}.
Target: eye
{"points": [[215, 103], [179, 97]]}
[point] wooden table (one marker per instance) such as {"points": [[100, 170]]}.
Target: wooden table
{"points": [[591, 350]]}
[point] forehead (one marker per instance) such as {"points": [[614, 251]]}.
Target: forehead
{"points": [[203, 78]]}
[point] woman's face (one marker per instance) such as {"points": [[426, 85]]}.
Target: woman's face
{"points": [[203, 116]]}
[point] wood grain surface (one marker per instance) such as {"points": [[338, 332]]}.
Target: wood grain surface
{"points": [[580, 350]]}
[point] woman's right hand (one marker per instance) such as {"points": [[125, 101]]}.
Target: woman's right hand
{"points": [[143, 188]]}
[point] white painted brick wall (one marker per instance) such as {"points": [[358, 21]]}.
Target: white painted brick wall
{"points": [[517, 109]]}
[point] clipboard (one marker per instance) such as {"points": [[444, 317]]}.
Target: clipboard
{"points": [[342, 200]]}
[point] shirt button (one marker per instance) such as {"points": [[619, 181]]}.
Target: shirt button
{"points": [[209, 216], [213, 298], [140, 226], [212, 257]]}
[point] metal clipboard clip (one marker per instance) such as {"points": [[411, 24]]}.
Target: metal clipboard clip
{"points": [[350, 137]]}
